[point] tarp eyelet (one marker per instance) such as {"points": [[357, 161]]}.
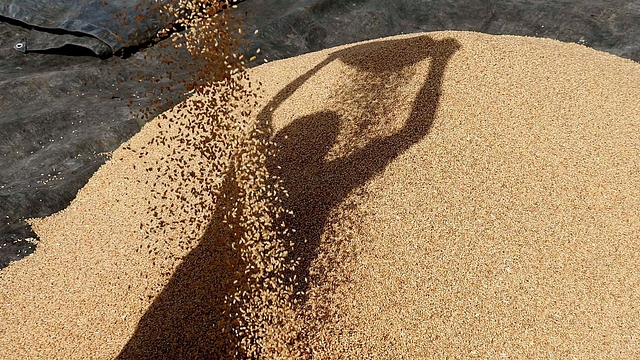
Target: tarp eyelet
{"points": [[21, 46]]}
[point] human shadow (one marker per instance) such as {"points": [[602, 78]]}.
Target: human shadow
{"points": [[317, 186], [188, 319]]}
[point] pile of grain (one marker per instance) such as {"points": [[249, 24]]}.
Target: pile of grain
{"points": [[454, 194]]}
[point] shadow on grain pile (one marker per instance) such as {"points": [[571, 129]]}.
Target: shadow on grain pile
{"points": [[172, 328]]}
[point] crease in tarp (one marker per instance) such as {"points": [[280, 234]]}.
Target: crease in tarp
{"points": [[104, 27]]}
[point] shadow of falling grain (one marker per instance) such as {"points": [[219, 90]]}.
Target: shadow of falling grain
{"points": [[189, 319]]}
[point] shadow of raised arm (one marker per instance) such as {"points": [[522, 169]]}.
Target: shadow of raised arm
{"points": [[369, 161], [316, 186]]}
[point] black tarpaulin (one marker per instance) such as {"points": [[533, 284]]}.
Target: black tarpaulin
{"points": [[101, 26]]}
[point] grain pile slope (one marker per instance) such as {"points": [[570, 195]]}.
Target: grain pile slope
{"points": [[483, 193], [455, 195]]}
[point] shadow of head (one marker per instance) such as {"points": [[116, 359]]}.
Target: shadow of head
{"points": [[306, 141]]}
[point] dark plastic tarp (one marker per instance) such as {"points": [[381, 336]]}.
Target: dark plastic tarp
{"points": [[291, 27], [102, 26]]}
